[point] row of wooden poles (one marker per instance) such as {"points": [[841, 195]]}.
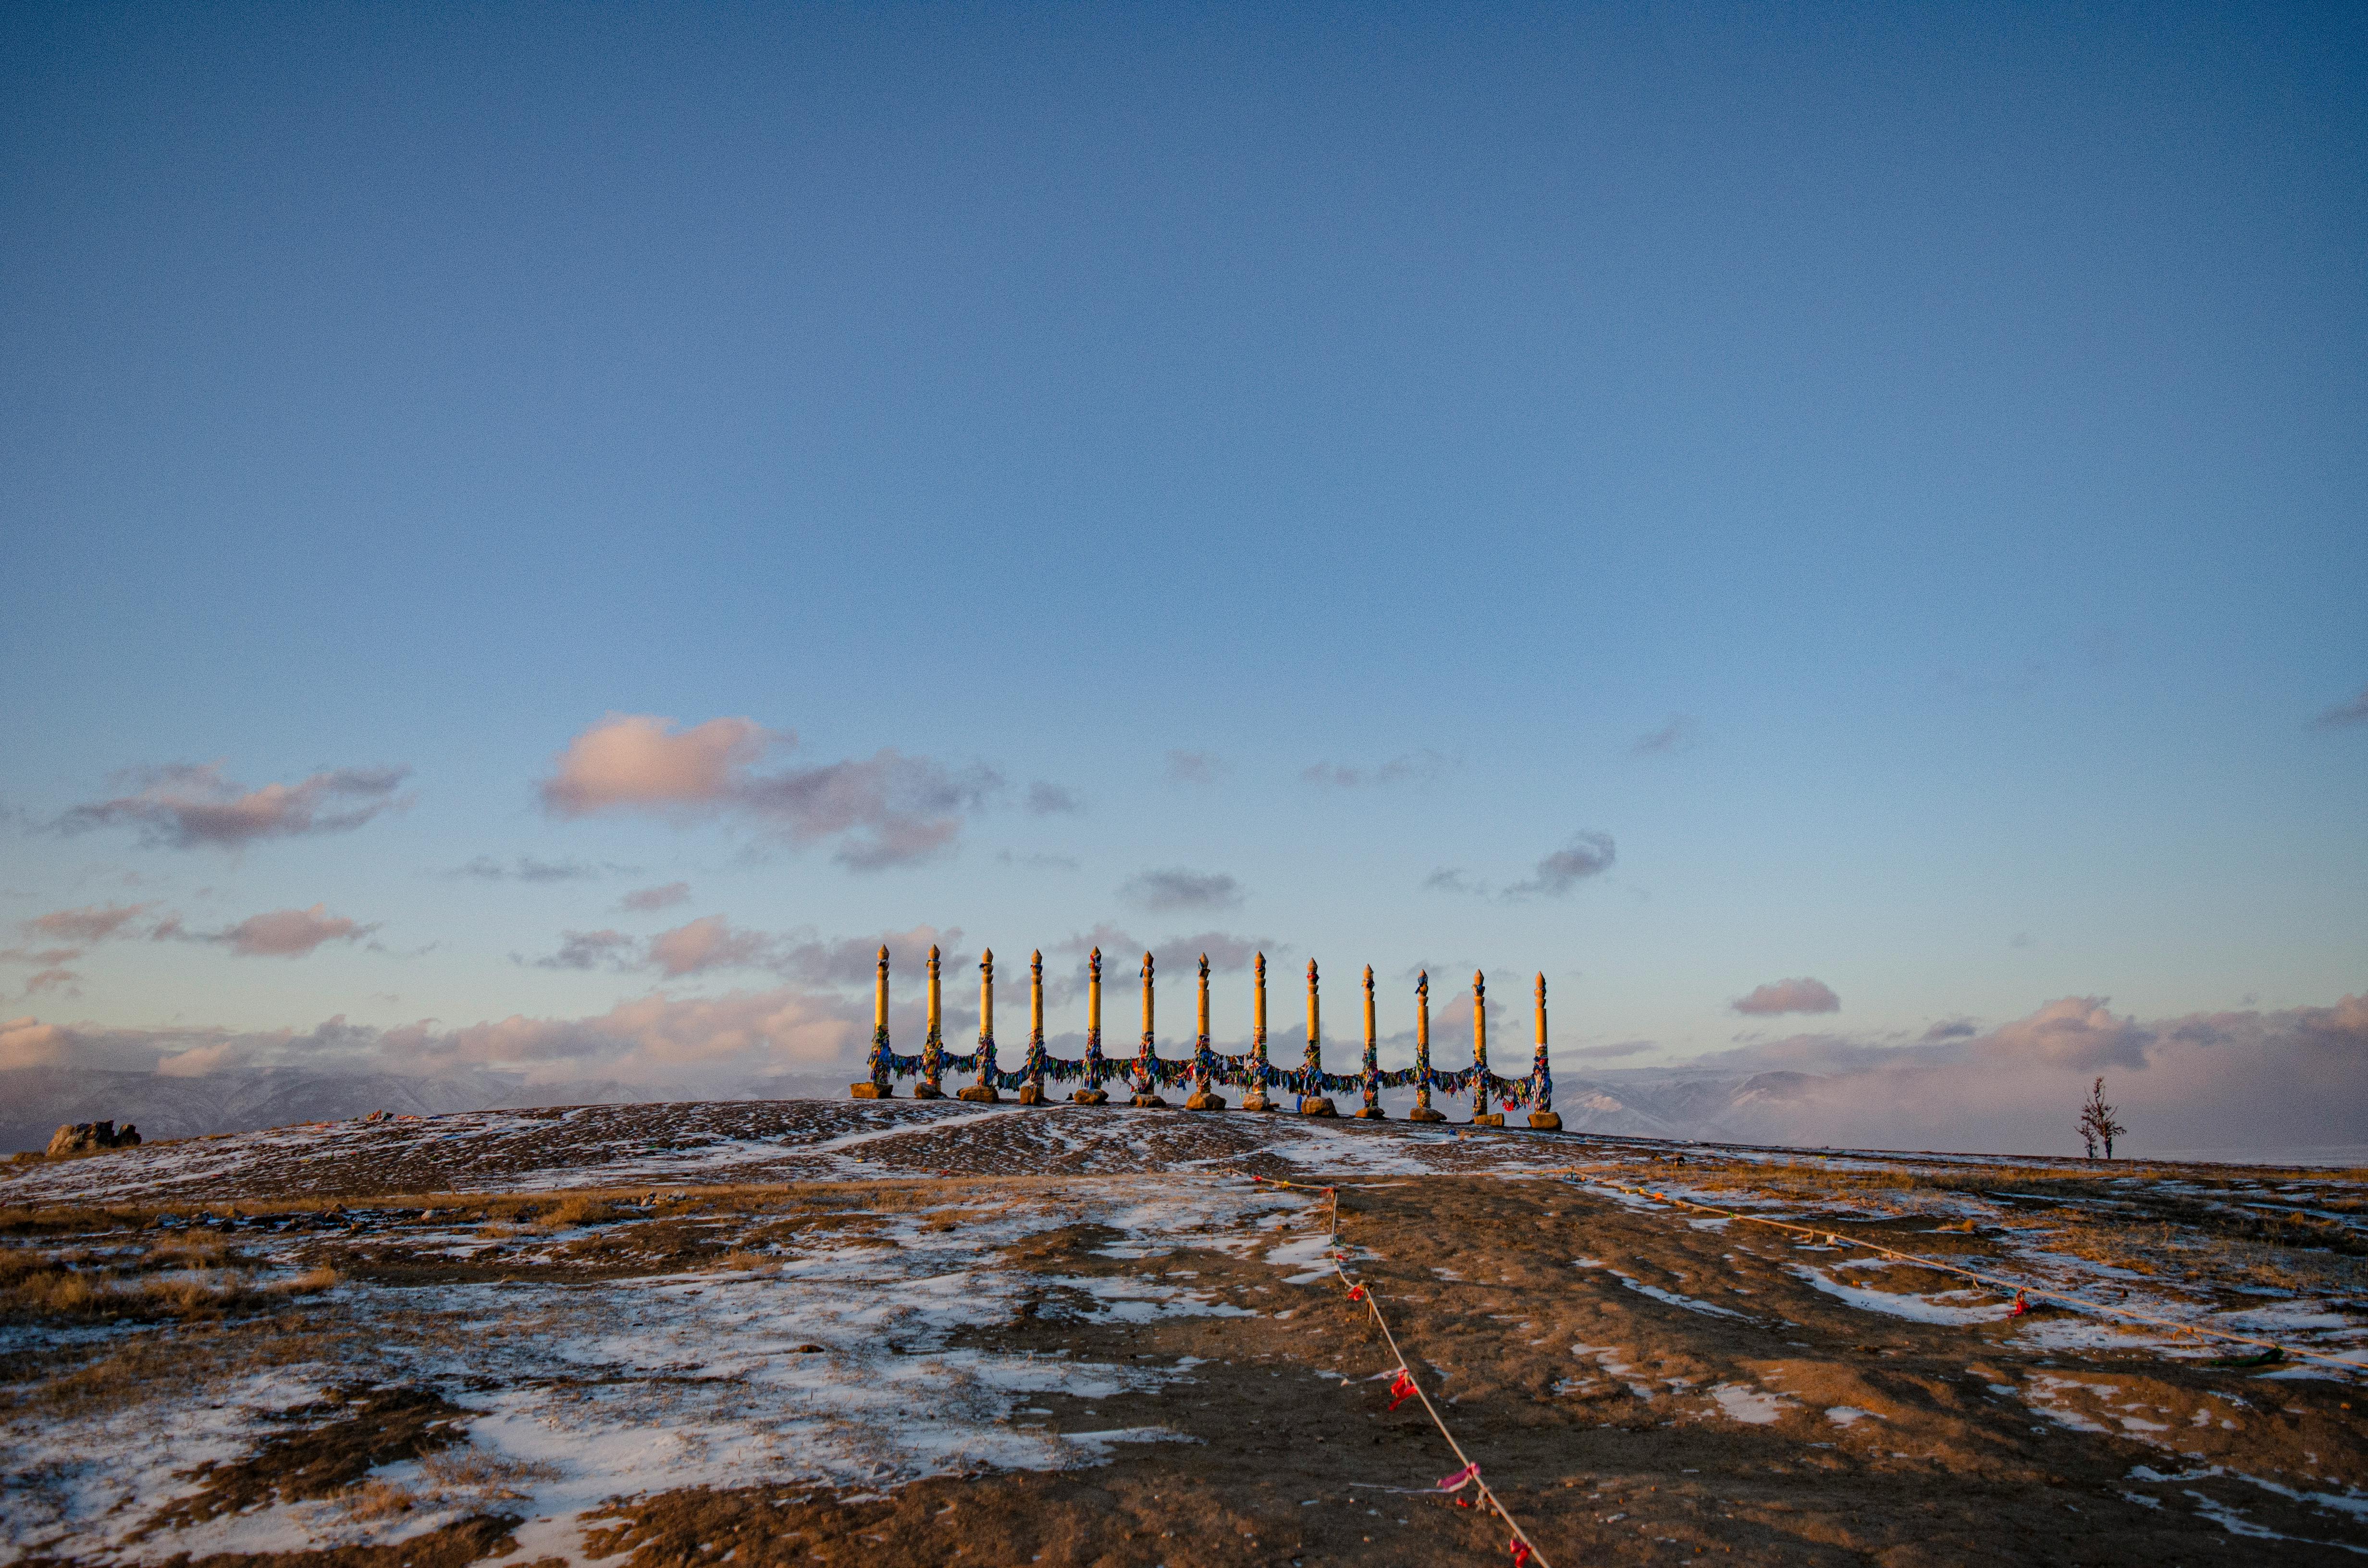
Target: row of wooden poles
{"points": [[928, 1065]]}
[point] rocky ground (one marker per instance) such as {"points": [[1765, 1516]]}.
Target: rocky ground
{"points": [[891, 1334]]}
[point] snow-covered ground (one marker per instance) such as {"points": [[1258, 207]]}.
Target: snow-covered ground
{"points": [[835, 1366]]}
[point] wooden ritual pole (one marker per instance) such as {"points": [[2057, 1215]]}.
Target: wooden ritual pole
{"points": [[1422, 1111], [1542, 1110], [1313, 1101], [1205, 1095], [984, 1090], [881, 1085], [1371, 1110], [1032, 1091], [1146, 1056], [1481, 1115], [1093, 1092], [933, 1048], [1257, 1098]]}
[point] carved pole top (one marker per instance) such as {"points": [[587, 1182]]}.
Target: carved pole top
{"points": [[1542, 985], [1311, 972], [1146, 966], [933, 955], [1204, 966], [1422, 983], [1479, 982], [1036, 960], [1369, 977], [1095, 959], [1261, 968], [884, 955], [986, 960]]}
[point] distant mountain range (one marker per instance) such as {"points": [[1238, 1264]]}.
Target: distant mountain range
{"points": [[34, 1101]]}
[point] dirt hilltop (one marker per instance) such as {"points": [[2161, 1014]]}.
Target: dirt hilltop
{"points": [[886, 1333]]}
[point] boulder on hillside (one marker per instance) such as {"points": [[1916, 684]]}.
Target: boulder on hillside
{"points": [[89, 1137]]}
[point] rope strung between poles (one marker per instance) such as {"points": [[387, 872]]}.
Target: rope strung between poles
{"points": [[1525, 1551], [1995, 1282]]}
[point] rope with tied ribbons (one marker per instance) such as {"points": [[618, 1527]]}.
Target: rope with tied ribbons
{"points": [[1525, 1551], [2081, 1303]]}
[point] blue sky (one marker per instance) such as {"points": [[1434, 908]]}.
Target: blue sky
{"points": [[1942, 430]]}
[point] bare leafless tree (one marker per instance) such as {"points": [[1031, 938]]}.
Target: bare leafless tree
{"points": [[2097, 1123]]}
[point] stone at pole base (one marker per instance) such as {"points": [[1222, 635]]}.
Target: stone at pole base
{"points": [[1315, 1104], [1150, 1102], [1256, 1100], [1373, 1113], [1546, 1120], [1031, 1094], [871, 1091], [1424, 1113], [1091, 1096], [1494, 1118], [982, 1093], [1205, 1101]]}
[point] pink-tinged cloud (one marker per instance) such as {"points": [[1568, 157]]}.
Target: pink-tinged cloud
{"points": [[44, 956], [706, 943], [183, 805], [1801, 995], [886, 810], [93, 923], [289, 933], [198, 1061], [28, 1043], [2077, 1033], [656, 1037], [640, 762], [57, 979], [643, 900]]}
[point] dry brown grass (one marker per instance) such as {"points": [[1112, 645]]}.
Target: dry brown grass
{"points": [[2200, 1234], [479, 1475], [311, 1282], [581, 1209], [741, 1260], [379, 1500], [122, 1372]]}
